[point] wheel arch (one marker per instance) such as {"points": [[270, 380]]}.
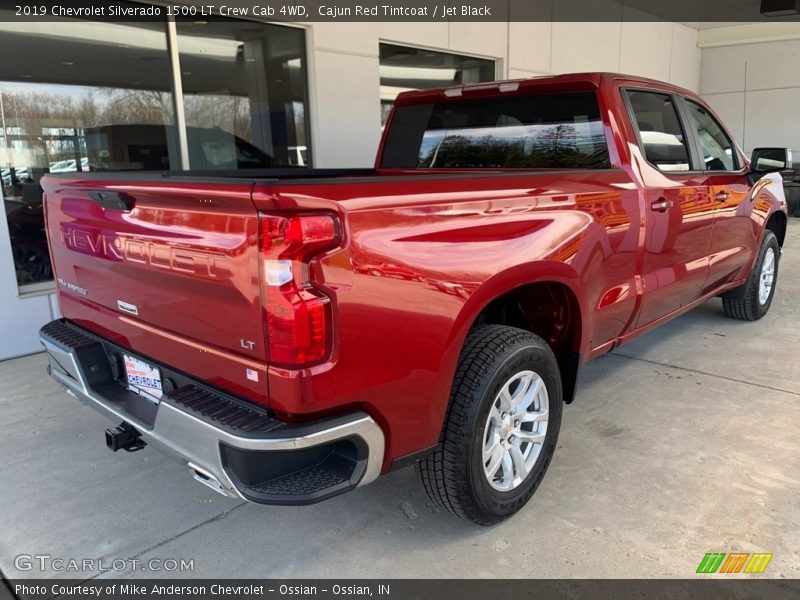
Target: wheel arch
{"points": [[776, 223], [549, 309], [547, 304]]}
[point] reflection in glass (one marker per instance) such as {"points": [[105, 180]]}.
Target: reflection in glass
{"points": [[663, 141], [403, 69], [82, 96], [244, 88], [541, 131], [717, 147]]}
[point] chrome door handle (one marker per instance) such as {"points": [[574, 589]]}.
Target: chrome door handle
{"points": [[722, 196], [661, 205]]}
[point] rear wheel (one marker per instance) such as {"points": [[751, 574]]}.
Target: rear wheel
{"points": [[752, 301], [501, 428]]}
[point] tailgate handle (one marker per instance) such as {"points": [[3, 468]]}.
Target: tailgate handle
{"points": [[112, 200]]}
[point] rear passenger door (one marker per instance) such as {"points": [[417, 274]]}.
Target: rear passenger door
{"points": [[733, 241], [678, 211]]}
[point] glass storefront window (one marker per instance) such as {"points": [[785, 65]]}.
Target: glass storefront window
{"points": [[244, 94], [81, 96], [403, 68], [98, 96]]}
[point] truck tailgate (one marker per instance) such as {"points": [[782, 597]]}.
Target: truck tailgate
{"points": [[178, 258]]}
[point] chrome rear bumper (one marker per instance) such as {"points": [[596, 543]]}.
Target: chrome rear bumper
{"points": [[228, 460]]}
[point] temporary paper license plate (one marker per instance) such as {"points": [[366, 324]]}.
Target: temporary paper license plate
{"points": [[143, 378]]}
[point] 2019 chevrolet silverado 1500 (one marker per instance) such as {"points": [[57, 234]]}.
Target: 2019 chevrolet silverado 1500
{"points": [[291, 335]]}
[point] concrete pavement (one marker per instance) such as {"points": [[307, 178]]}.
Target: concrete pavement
{"points": [[681, 443]]}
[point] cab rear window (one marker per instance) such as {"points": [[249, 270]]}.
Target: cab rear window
{"points": [[549, 131]]}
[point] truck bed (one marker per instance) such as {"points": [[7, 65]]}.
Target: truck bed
{"points": [[186, 257]]}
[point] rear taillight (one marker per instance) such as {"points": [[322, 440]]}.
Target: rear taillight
{"points": [[298, 315]]}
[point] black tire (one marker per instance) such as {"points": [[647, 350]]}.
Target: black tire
{"points": [[453, 476], [744, 303]]}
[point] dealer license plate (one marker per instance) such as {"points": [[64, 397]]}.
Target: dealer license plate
{"points": [[143, 378]]}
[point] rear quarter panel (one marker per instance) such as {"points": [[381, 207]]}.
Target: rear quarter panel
{"points": [[424, 255]]}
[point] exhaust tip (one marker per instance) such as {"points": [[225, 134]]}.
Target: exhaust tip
{"points": [[124, 437], [208, 480]]}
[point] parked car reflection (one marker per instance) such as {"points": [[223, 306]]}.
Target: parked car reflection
{"points": [[29, 242]]}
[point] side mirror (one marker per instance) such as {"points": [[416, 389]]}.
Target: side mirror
{"points": [[768, 160]]}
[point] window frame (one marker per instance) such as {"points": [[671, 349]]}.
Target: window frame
{"points": [[693, 144], [688, 137], [497, 67], [174, 51]]}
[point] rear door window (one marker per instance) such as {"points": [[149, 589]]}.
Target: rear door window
{"points": [[534, 131], [662, 138]]}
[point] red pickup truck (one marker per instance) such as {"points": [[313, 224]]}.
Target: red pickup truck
{"points": [[292, 335]]}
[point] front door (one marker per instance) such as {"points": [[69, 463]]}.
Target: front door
{"points": [[733, 241]]}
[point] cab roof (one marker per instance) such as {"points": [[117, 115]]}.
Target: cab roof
{"points": [[549, 83]]}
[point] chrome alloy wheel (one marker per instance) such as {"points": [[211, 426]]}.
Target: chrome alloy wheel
{"points": [[767, 278], [515, 431]]}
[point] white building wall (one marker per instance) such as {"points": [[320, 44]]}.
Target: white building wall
{"points": [[20, 316], [345, 81], [755, 87]]}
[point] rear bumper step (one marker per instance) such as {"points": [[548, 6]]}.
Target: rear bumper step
{"points": [[234, 448]]}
